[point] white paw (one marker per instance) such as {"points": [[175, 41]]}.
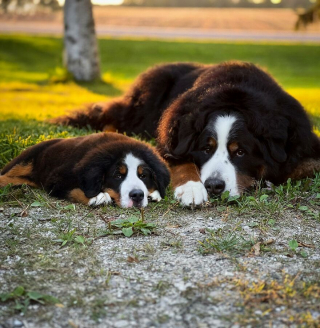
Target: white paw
{"points": [[191, 193], [155, 196], [102, 198]]}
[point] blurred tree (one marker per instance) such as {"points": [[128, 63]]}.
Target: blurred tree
{"points": [[81, 48], [309, 16]]}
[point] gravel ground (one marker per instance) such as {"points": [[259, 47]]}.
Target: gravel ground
{"points": [[161, 280]]}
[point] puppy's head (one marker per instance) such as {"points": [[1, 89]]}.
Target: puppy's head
{"points": [[131, 172], [131, 182]]}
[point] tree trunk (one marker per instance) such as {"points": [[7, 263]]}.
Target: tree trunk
{"points": [[81, 48]]}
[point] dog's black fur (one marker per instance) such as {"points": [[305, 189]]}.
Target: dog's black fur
{"points": [[174, 103], [90, 163]]}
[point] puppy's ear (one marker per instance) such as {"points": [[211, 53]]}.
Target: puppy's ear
{"points": [[90, 179], [162, 177], [160, 171]]}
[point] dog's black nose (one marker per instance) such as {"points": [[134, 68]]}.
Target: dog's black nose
{"points": [[136, 195], [215, 186]]}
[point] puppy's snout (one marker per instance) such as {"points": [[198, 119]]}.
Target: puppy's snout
{"points": [[215, 186], [136, 195]]}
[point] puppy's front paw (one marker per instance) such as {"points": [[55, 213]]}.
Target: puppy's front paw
{"points": [[155, 196], [102, 198], [191, 193]]}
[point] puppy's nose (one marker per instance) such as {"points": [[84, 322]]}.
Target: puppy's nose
{"points": [[215, 186], [136, 195]]}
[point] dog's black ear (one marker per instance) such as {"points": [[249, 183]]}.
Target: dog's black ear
{"points": [[159, 169], [90, 179], [185, 137], [162, 179], [273, 132], [161, 176], [185, 144], [277, 149]]}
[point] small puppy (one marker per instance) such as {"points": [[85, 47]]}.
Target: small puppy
{"points": [[92, 170]]}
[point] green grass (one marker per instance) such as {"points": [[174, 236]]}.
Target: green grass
{"points": [[30, 59], [28, 64]]}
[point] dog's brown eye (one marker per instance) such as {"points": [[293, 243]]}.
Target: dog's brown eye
{"points": [[118, 176], [240, 152], [207, 150], [142, 176]]}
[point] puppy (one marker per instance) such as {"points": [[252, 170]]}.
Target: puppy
{"points": [[92, 170]]}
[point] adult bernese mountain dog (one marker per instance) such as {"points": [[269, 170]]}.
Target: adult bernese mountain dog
{"points": [[93, 170], [220, 127]]}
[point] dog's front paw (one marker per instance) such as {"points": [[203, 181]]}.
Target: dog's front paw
{"points": [[102, 198], [155, 196], [191, 193]]}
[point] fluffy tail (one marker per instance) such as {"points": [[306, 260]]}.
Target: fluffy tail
{"points": [[100, 116]]}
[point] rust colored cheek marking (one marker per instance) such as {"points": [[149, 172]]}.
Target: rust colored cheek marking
{"points": [[18, 176], [114, 195], [233, 147], [183, 173], [244, 182], [305, 170], [77, 195], [123, 169]]}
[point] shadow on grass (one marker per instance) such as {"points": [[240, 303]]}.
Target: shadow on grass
{"points": [[101, 87]]}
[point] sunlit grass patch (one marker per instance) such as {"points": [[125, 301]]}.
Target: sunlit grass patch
{"points": [[310, 99], [27, 101]]}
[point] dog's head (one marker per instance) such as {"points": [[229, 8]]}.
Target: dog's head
{"points": [[235, 136], [130, 171]]}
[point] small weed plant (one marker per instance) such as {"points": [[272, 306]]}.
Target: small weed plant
{"points": [[220, 241], [129, 227], [23, 298]]}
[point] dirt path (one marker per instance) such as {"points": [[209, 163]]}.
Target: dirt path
{"points": [[167, 33], [172, 23]]}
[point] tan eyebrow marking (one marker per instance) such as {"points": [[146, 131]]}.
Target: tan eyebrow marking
{"points": [[233, 147], [123, 169], [140, 169]]}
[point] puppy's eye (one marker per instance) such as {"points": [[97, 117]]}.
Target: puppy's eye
{"points": [[118, 176], [240, 152], [208, 150], [142, 176]]}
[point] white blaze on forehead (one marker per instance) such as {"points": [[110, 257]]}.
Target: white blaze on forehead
{"points": [[132, 182], [219, 165]]}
